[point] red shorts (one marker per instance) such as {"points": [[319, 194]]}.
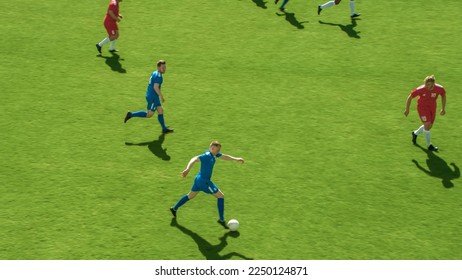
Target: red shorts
{"points": [[426, 114], [111, 27]]}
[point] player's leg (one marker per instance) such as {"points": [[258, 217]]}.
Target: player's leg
{"points": [[352, 10], [113, 39], [282, 7], [415, 133], [427, 126], [160, 118], [426, 131], [185, 198], [111, 31], [150, 109], [327, 5], [220, 204], [427, 116], [100, 44]]}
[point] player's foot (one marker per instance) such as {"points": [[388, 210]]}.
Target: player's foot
{"points": [[432, 148], [98, 48], [355, 15], [167, 130], [319, 9], [173, 211], [282, 9], [276, 1], [128, 116], [414, 138], [222, 223], [113, 51]]}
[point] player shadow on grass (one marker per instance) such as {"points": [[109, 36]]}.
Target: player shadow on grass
{"points": [[113, 61], [155, 147], [210, 252], [290, 17], [439, 168], [260, 4], [349, 29]]}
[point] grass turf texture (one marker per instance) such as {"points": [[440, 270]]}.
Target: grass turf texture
{"points": [[313, 103]]}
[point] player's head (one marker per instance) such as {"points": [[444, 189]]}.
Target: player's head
{"points": [[161, 66], [215, 147], [429, 82]]}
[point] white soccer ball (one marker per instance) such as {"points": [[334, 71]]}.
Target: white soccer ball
{"points": [[233, 224]]}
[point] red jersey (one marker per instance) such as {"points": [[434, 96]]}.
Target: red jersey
{"points": [[114, 7], [427, 98]]}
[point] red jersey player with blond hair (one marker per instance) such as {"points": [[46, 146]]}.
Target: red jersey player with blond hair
{"points": [[110, 23], [426, 107]]}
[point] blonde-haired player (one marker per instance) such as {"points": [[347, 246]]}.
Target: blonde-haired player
{"points": [[426, 107]]}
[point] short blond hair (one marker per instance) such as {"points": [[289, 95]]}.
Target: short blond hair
{"points": [[430, 78], [160, 62], [215, 143]]}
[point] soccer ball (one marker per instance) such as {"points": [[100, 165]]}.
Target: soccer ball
{"points": [[233, 224]]}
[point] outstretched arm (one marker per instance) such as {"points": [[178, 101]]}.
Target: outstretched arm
{"points": [[189, 166], [228, 157]]}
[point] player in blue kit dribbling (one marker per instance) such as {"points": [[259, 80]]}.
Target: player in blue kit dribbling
{"points": [[154, 97], [202, 181]]}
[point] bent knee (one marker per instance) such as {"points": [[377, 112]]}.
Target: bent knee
{"points": [[150, 114]]}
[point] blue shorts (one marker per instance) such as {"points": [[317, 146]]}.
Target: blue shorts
{"points": [[153, 103], [206, 186]]}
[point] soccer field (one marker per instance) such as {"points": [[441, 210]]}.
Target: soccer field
{"points": [[313, 103]]}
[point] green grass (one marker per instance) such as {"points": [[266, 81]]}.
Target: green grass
{"points": [[315, 111]]}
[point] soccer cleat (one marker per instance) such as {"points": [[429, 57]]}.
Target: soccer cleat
{"points": [[432, 148], [355, 15], [319, 9], [128, 116], [98, 48], [282, 10], [167, 130], [173, 211], [113, 51], [223, 224], [276, 1], [414, 138]]}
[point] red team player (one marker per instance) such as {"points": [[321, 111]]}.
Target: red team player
{"points": [[426, 107], [110, 23]]}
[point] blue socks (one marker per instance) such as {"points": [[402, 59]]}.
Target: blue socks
{"points": [[140, 114], [143, 114], [220, 204], [161, 121], [221, 208], [180, 202], [284, 3]]}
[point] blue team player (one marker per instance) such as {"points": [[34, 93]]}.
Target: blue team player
{"points": [[202, 181], [154, 97]]}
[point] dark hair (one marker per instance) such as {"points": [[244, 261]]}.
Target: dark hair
{"points": [[160, 62]]}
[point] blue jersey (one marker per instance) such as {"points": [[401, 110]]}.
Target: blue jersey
{"points": [[207, 163], [156, 77]]}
